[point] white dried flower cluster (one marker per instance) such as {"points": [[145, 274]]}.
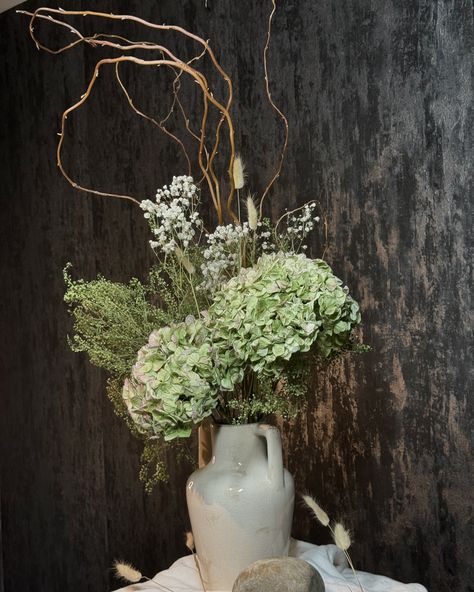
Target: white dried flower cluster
{"points": [[173, 218], [266, 244], [222, 254], [298, 226]]}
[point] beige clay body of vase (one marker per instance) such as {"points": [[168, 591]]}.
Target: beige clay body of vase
{"points": [[241, 503]]}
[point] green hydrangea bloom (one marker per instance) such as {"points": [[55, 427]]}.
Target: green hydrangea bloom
{"points": [[175, 381], [284, 304]]}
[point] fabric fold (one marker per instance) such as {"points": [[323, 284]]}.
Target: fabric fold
{"points": [[330, 561]]}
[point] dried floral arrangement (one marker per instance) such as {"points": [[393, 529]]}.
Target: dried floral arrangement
{"points": [[231, 319]]}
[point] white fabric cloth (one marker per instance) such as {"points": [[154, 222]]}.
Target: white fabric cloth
{"points": [[331, 563]]}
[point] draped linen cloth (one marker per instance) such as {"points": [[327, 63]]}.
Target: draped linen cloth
{"points": [[330, 561]]}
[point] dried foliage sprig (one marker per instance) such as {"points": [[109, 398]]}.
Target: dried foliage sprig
{"points": [[252, 214], [318, 512], [339, 533], [239, 181], [190, 541]]}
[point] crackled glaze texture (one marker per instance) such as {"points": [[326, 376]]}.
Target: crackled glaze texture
{"points": [[379, 98]]}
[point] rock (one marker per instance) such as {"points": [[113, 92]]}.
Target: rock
{"points": [[282, 574]]}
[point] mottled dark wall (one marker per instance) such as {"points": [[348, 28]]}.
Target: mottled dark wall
{"points": [[379, 97]]}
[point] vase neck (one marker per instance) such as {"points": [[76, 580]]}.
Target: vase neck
{"points": [[237, 445]]}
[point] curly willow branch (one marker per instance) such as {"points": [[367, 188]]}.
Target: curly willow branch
{"points": [[173, 62], [151, 119], [177, 86], [207, 97], [280, 113]]}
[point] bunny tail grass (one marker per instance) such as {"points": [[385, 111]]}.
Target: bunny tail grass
{"points": [[319, 513], [341, 537], [239, 172], [126, 572], [252, 213]]}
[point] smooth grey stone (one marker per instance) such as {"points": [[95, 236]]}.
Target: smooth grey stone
{"points": [[282, 574]]}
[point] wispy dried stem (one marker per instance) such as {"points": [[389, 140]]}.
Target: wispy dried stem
{"points": [[279, 112], [286, 214], [151, 119], [190, 545]]}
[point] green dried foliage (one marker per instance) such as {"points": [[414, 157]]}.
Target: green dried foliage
{"points": [[178, 285], [114, 393], [112, 320], [286, 397], [154, 463]]}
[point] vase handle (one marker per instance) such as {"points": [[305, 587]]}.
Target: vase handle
{"points": [[274, 453]]}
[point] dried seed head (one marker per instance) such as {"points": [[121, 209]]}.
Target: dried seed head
{"points": [[190, 541], [319, 513], [252, 213], [341, 537], [239, 172], [127, 572]]}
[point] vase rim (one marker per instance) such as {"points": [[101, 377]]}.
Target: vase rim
{"points": [[238, 425]]}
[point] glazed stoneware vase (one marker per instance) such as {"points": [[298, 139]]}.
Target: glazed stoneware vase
{"points": [[241, 503]]}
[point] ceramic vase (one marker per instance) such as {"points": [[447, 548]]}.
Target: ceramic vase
{"points": [[241, 503]]}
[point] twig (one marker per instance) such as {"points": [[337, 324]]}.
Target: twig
{"points": [[145, 116], [172, 61], [207, 97], [196, 561], [280, 113]]}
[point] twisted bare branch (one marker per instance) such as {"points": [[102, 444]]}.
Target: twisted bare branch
{"points": [[173, 62], [280, 113], [151, 119]]}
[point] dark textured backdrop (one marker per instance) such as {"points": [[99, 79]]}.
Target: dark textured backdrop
{"points": [[379, 96]]}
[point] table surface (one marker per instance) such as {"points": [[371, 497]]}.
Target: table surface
{"points": [[331, 563]]}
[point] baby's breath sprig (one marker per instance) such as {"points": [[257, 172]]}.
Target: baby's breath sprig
{"points": [[222, 255], [173, 217], [298, 223]]}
